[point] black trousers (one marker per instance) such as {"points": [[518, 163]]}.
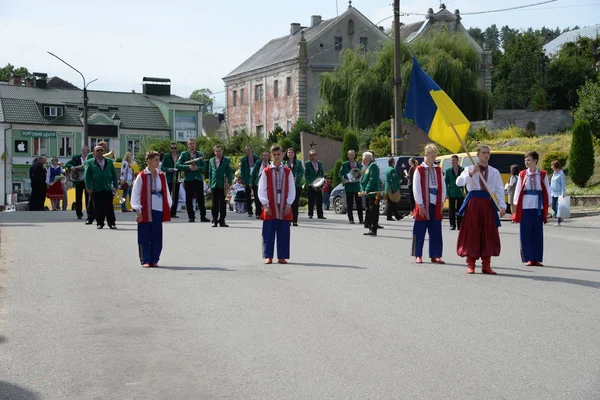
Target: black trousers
{"points": [[411, 197], [393, 210], [219, 205], [103, 207], [257, 203], [196, 187], [372, 215], [296, 203], [37, 198], [352, 198], [248, 190], [455, 203], [79, 193], [174, 197], [315, 196]]}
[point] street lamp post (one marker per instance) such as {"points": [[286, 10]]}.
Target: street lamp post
{"points": [[85, 99]]}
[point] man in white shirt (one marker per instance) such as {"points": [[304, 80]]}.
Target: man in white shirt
{"points": [[276, 191], [478, 236]]}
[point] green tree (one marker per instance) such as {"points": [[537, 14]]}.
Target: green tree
{"points": [[492, 38], [382, 146], [581, 157], [299, 127], [507, 34], [589, 107], [8, 70], [477, 35], [335, 178], [204, 96], [350, 143], [539, 99]]}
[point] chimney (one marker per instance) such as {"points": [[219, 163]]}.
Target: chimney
{"points": [[39, 80], [294, 28], [156, 86], [14, 80], [315, 20]]}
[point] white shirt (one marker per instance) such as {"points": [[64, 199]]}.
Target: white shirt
{"points": [[433, 184], [136, 192], [494, 181], [532, 182], [262, 189], [126, 173]]}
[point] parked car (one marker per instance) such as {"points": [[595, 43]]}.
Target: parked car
{"points": [[338, 195]]}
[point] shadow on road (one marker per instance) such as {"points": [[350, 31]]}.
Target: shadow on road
{"points": [[10, 391], [194, 269], [326, 265], [572, 281], [2, 339]]}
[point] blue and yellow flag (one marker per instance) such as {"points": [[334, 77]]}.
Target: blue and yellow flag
{"points": [[433, 111]]}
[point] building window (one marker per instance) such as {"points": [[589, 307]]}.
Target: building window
{"points": [[338, 43], [350, 28], [241, 96], [364, 42], [66, 147], [288, 86], [95, 140], [289, 126], [260, 130], [258, 92], [133, 146], [276, 89], [40, 146], [235, 98], [52, 111]]}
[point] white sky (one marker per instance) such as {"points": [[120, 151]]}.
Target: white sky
{"points": [[197, 42]]}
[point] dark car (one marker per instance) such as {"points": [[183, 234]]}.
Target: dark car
{"points": [[338, 195]]}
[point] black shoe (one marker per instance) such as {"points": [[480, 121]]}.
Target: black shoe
{"points": [[258, 217], [192, 220], [370, 234], [295, 223], [174, 216], [99, 226], [79, 217], [214, 224], [452, 228], [250, 214], [204, 219], [310, 217], [89, 222], [351, 222], [322, 217], [223, 225], [112, 226], [390, 219], [379, 227]]}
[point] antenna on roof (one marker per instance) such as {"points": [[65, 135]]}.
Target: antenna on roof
{"points": [[337, 12]]}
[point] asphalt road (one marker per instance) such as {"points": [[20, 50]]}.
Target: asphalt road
{"points": [[351, 317]]}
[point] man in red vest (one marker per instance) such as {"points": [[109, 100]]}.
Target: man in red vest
{"points": [[532, 197], [276, 191], [429, 190]]}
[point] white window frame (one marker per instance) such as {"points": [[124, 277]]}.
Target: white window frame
{"points": [[242, 92], [41, 144], [62, 149], [132, 148], [53, 111], [258, 92], [96, 139], [260, 130]]}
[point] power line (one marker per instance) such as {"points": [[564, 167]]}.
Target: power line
{"points": [[509, 8]]}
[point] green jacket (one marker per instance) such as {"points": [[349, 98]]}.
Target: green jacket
{"points": [[245, 169], [297, 172], [99, 179], [76, 162], [217, 175], [370, 180], [255, 173], [310, 174], [167, 163], [353, 187], [451, 189], [392, 180], [187, 174]]}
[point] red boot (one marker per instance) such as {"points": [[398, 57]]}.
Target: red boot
{"points": [[486, 266], [471, 265]]}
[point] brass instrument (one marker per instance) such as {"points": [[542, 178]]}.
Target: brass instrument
{"points": [[193, 161], [110, 154], [75, 174], [117, 195]]}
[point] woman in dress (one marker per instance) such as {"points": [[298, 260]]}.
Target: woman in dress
{"points": [[126, 179], [54, 174], [511, 185], [151, 200]]}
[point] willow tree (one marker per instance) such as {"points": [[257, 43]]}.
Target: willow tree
{"points": [[360, 92]]}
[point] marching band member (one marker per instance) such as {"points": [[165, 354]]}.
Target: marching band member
{"points": [[104, 148], [297, 169], [77, 163], [532, 199], [219, 170], [169, 162], [478, 236], [100, 174], [313, 169], [455, 194], [392, 183], [55, 190], [247, 165], [277, 191], [370, 185], [193, 180], [255, 178], [152, 202], [351, 188], [430, 192]]}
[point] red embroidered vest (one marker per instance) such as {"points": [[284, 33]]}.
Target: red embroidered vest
{"points": [[519, 209], [146, 197], [277, 212], [424, 191]]}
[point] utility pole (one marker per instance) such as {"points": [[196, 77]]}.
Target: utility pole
{"points": [[397, 147]]}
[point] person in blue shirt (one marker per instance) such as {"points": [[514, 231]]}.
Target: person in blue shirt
{"points": [[558, 187]]}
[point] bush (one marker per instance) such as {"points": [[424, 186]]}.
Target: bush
{"points": [[560, 156], [162, 146], [286, 143], [512, 132], [334, 173], [384, 129], [364, 137], [589, 107], [382, 146], [300, 126], [350, 143], [581, 158]]}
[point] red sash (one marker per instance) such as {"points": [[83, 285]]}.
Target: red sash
{"points": [[146, 197], [425, 195], [519, 209]]}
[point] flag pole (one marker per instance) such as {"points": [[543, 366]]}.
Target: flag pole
{"points": [[481, 178]]}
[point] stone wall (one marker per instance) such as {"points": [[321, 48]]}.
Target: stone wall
{"points": [[545, 121], [328, 151]]}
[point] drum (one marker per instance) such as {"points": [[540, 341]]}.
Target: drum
{"points": [[394, 197], [318, 184]]}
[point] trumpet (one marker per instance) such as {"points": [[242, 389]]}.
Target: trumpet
{"points": [[193, 161], [117, 195]]}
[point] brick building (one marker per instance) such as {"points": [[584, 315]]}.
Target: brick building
{"points": [[280, 82]]}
